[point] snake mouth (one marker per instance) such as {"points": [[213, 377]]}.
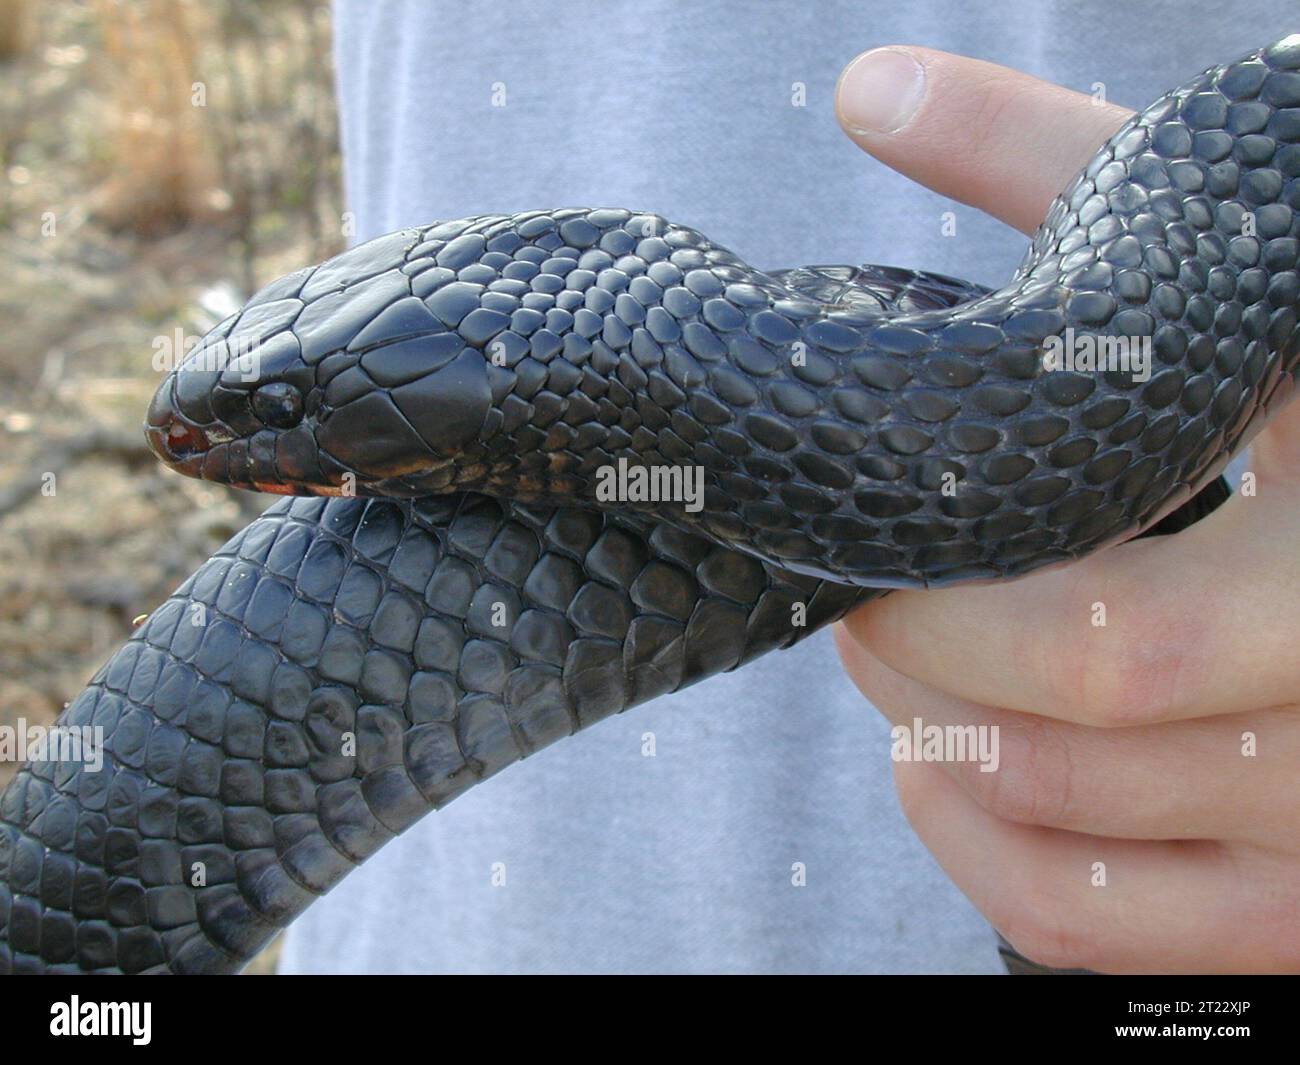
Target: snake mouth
{"points": [[214, 453], [180, 446], [187, 450], [178, 441]]}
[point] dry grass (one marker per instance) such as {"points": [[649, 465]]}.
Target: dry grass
{"points": [[128, 213]]}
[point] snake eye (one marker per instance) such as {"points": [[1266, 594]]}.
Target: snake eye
{"points": [[278, 405]]}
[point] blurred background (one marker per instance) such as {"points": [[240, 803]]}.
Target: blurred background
{"points": [[160, 160]]}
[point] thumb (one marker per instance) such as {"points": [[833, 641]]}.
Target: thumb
{"points": [[994, 138], [1006, 143]]}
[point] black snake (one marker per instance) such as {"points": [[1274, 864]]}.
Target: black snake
{"points": [[344, 665]]}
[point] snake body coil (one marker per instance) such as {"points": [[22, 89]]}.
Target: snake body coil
{"points": [[344, 665]]}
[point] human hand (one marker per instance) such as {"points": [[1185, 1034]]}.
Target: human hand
{"points": [[1145, 814]]}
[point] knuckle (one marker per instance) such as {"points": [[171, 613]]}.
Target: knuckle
{"points": [[1128, 671], [1034, 782], [989, 119], [1135, 683], [983, 108]]}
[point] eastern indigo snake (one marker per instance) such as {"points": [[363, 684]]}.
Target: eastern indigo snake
{"points": [[343, 665]]}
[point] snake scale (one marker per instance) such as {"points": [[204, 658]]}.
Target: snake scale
{"points": [[446, 594]]}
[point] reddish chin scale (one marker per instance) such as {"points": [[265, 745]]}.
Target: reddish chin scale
{"points": [[183, 440]]}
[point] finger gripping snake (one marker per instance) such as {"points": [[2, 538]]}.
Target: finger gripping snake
{"points": [[448, 592]]}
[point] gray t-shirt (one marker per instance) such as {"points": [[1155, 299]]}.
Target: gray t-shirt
{"points": [[596, 855]]}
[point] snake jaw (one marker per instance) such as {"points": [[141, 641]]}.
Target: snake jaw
{"points": [[203, 452], [180, 446], [183, 440], [274, 488]]}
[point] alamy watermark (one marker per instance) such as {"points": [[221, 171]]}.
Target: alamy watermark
{"points": [[54, 743], [177, 352], [628, 482], [77, 1018], [1090, 353], [920, 742]]}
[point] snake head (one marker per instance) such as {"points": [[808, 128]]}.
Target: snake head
{"points": [[335, 380], [236, 411]]}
